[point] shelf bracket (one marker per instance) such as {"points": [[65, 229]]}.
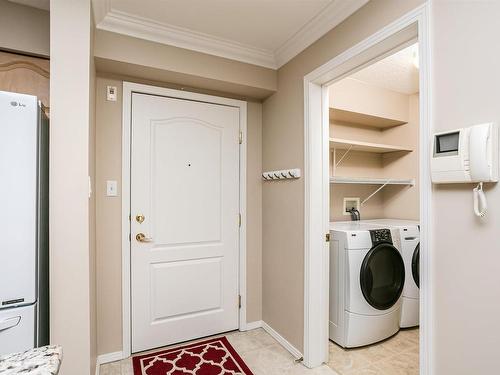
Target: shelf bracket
{"points": [[375, 192], [343, 156]]}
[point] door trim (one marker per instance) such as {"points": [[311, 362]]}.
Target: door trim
{"points": [[128, 89], [414, 24]]}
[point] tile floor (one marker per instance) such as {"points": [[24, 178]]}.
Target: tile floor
{"points": [[397, 355], [265, 356], [261, 352]]}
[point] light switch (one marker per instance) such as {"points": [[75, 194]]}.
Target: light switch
{"points": [[111, 188], [111, 93]]}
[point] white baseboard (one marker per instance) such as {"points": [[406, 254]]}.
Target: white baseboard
{"points": [[292, 349], [254, 325], [106, 358]]}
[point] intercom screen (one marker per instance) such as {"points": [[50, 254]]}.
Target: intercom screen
{"points": [[447, 142]]}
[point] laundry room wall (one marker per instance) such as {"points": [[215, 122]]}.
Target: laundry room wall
{"points": [[403, 202], [396, 201], [465, 248], [109, 214], [283, 147]]}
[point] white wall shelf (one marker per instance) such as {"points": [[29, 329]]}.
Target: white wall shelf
{"points": [[363, 119], [371, 181], [346, 144]]}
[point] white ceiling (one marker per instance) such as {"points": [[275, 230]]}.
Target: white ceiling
{"points": [[396, 72], [40, 4], [262, 32]]}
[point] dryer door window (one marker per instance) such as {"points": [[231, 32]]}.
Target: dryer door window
{"points": [[382, 276], [415, 265]]}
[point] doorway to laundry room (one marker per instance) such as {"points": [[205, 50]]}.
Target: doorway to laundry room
{"points": [[374, 216]]}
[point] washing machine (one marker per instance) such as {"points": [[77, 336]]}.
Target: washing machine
{"points": [[408, 241], [367, 276]]}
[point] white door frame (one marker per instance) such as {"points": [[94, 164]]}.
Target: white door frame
{"points": [[316, 142], [128, 89]]}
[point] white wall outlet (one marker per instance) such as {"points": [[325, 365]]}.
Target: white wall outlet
{"points": [[111, 93], [350, 203], [112, 188]]}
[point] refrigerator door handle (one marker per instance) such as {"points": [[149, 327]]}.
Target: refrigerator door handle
{"points": [[9, 323]]}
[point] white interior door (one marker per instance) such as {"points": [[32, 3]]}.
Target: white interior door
{"points": [[185, 184]]}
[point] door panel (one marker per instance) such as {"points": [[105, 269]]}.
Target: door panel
{"points": [[186, 178], [185, 182], [202, 289]]}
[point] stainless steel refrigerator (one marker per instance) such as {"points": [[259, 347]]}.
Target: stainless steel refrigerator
{"points": [[24, 198]]}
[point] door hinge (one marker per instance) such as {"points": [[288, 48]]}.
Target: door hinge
{"points": [[327, 237], [241, 137], [239, 302], [130, 237], [239, 220]]}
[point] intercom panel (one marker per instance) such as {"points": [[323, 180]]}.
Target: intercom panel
{"points": [[466, 155]]}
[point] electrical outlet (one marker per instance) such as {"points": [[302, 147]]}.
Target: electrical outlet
{"points": [[350, 203]]}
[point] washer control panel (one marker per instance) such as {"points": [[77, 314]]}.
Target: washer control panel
{"points": [[381, 236]]}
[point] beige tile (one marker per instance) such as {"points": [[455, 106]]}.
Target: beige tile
{"points": [[400, 364], [401, 343], [126, 367], [244, 342], [369, 370], [299, 369], [397, 355], [113, 368], [412, 334], [271, 359], [375, 353], [343, 360], [261, 336]]}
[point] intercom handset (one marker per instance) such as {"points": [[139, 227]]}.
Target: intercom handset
{"points": [[467, 155]]}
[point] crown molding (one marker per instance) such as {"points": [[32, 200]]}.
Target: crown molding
{"points": [[323, 22], [109, 19], [100, 8], [144, 28]]}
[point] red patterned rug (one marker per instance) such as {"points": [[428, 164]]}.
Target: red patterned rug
{"points": [[211, 357]]}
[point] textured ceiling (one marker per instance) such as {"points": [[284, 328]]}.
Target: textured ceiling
{"points": [[396, 72]]}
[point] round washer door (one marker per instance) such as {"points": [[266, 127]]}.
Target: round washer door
{"points": [[415, 265], [382, 276]]}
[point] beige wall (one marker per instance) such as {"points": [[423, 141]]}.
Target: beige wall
{"points": [[356, 96], [70, 213], [283, 147], [108, 219], [402, 202], [466, 250], [127, 56], [396, 201], [108, 167], [373, 209], [24, 29]]}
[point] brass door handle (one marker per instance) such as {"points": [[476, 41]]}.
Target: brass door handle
{"points": [[141, 237]]}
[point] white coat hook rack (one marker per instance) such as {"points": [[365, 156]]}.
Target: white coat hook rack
{"points": [[284, 174]]}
